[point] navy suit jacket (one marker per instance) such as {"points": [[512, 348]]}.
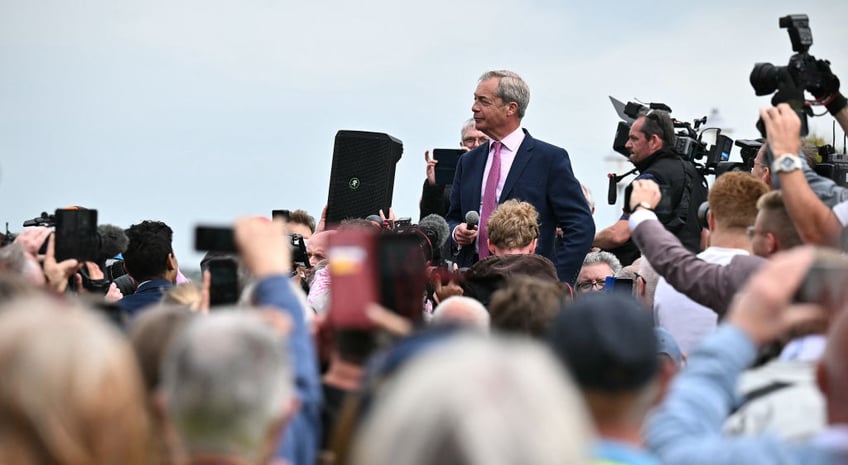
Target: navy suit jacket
{"points": [[541, 175], [147, 294]]}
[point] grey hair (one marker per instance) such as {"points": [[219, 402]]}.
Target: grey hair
{"points": [[603, 257], [511, 88], [461, 309], [588, 194], [512, 404], [227, 380], [468, 124]]}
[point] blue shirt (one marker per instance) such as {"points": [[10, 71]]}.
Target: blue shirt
{"points": [[687, 428], [608, 451]]}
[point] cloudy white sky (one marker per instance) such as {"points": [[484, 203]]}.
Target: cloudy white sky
{"points": [[202, 111]]}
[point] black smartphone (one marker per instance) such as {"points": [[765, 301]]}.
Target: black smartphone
{"points": [[826, 282], [622, 285], [214, 239], [76, 234], [284, 214], [402, 271], [446, 168], [224, 286]]}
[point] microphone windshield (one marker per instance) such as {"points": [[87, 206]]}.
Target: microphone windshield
{"points": [[472, 219], [436, 228]]}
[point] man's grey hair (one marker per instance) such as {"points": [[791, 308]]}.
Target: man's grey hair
{"points": [[511, 88], [468, 124], [603, 257], [511, 404], [463, 310], [227, 382], [588, 194]]}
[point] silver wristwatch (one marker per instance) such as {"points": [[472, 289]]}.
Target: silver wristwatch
{"points": [[786, 163]]}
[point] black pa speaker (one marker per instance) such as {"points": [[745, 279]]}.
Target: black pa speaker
{"points": [[363, 174]]}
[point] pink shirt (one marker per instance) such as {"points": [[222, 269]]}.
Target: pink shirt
{"points": [[510, 147]]}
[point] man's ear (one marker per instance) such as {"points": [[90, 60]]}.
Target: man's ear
{"points": [[772, 244], [511, 108], [172, 262], [641, 286], [655, 142], [711, 220]]}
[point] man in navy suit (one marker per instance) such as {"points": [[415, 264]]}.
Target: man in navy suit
{"points": [[150, 261], [514, 165]]}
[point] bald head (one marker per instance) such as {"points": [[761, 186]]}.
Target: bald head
{"points": [[462, 310], [318, 245]]}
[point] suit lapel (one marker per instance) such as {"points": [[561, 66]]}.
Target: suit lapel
{"points": [[522, 158], [478, 164]]}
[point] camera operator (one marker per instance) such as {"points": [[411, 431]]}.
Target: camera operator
{"points": [[651, 143]]}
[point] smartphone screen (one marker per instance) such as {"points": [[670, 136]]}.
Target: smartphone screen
{"points": [[224, 286], [622, 285], [215, 239], [403, 274], [446, 168], [76, 234]]}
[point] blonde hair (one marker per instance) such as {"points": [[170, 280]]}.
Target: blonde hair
{"points": [[72, 393], [513, 225], [185, 294]]}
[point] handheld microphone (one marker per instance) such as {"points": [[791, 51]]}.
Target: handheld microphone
{"points": [[472, 219]]}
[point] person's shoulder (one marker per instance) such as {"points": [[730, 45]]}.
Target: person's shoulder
{"points": [[542, 146]]}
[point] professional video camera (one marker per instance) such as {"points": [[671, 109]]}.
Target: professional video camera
{"points": [[691, 142], [833, 165], [803, 72]]}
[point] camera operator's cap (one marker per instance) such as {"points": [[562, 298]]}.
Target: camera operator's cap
{"points": [[667, 345], [607, 342]]}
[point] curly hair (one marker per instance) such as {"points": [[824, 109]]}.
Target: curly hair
{"points": [[513, 225], [526, 306], [147, 252]]}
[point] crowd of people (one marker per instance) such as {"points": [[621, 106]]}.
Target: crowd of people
{"points": [[502, 329]]}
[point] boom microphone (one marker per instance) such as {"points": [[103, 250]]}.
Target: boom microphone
{"points": [[472, 219]]}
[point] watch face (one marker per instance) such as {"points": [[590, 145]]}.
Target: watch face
{"points": [[787, 163]]}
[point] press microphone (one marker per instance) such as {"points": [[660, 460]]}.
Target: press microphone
{"points": [[436, 229], [472, 219]]}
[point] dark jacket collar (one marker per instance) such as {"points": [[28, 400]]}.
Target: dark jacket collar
{"points": [[643, 165]]}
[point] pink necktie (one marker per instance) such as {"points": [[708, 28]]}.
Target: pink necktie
{"points": [[490, 201]]}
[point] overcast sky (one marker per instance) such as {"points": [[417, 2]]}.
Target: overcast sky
{"points": [[203, 111]]}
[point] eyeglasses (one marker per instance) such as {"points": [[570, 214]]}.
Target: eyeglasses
{"points": [[471, 140], [589, 285]]}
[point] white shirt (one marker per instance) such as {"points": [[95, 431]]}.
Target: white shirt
{"points": [[687, 320], [841, 212]]}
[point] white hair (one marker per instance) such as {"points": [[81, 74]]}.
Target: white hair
{"points": [[489, 401], [227, 381], [463, 310]]}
